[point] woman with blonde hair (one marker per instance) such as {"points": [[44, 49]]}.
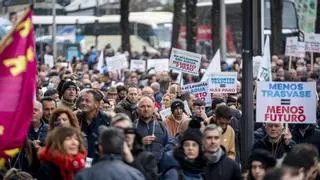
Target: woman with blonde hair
{"points": [[167, 100], [63, 156]]}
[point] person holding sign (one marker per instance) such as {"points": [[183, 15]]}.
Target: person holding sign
{"points": [[278, 140]]}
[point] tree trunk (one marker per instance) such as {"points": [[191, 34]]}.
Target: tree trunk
{"points": [[191, 23], [177, 18], [124, 26], [215, 24], [276, 26]]}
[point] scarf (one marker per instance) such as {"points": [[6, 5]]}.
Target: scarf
{"points": [[215, 157], [68, 164], [194, 167]]}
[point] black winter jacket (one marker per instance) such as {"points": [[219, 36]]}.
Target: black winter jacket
{"points": [[49, 171], [311, 136], [127, 108]]}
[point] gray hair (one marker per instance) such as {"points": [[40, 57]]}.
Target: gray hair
{"points": [[119, 117], [213, 127]]}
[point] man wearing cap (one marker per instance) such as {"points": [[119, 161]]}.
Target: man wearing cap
{"points": [[178, 121], [68, 95]]}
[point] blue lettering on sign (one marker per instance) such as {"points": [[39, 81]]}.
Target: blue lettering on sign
{"points": [[286, 86], [198, 89], [288, 94], [223, 80]]}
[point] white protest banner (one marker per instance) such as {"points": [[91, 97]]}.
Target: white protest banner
{"points": [[48, 59], [214, 66], [264, 73], [117, 62], [300, 49], [223, 82], [136, 64], [185, 61], [312, 42], [200, 91], [256, 60], [291, 46], [165, 113], [159, 65], [286, 102]]}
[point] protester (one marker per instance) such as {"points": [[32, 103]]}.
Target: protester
{"points": [[129, 104], [259, 162], [68, 95], [110, 165], [49, 105], [91, 118], [284, 173], [15, 174], [38, 129], [63, 156], [278, 141], [157, 93], [187, 161], [154, 134], [167, 100], [219, 166], [63, 118], [178, 121]]}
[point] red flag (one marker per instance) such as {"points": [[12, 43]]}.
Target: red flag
{"points": [[17, 85]]}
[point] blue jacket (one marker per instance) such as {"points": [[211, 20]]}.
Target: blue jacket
{"points": [[161, 133]]}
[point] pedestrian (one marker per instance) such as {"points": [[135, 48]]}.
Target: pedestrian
{"points": [[166, 101], [110, 166], [49, 105], [68, 95], [129, 104], [187, 160], [219, 165], [259, 162], [63, 156]]}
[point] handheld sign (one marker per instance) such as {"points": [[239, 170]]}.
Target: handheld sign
{"points": [[312, 43], [286, 102], [117, 62], [159, 65], [48, 59], [223, 82], [200, 91], [165, 113], [139, 65], [291, 46], [185, 61]]}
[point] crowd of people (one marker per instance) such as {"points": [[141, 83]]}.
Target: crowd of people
{"points": [[92, 125]]}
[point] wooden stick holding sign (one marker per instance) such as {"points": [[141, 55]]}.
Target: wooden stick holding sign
{"points": [[311, 57]]}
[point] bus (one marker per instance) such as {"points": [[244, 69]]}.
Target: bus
{"points": [[234, 25], [149, 29]]}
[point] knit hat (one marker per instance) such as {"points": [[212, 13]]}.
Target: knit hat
{"points": [[193, 133], [263, 156], [65, 86], [177, 104]]}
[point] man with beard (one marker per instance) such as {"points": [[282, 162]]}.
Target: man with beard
{"points": [[68, 95], [219, 166], [128, 105], [91, 118]]}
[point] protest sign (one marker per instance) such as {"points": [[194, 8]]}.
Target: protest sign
{"points": [[286, 102], [223, 82], [159, 65], [136, 64], [312, 42], [200, 91], [48, 59], [165, 113], [256, 60], [187, 108], [117, 62], [291, 46], [184, 61], [214, 66], [264, 73]]}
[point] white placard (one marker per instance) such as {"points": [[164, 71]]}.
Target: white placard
{"points": [[117, 62], [159, 65], [223, 82], [136, 64], [256, 65], [312, 42], [286, 102], [185, 61], [165, 113], [48, 59], [200, 91], [295, 48]]}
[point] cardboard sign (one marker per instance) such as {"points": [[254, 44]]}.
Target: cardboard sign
{"points": [[184, 61], [139, 65], [223, 82], [312, 42], [159, 65], [286, 102], [295, 48], [117, 62], [48, 59], [200, 91]]}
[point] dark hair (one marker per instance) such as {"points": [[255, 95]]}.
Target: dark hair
{"points": [[48, 98], [223, 111], [97, 96], [121, 88], [72, 118], [302, 155], [185, 96], [12, 14], [199, 102], [278, 173], [111, 141], [51, 92]]}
